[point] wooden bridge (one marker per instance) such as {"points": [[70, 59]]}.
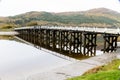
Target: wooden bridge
{"points": [[71, 41]]}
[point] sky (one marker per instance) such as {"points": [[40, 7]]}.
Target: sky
{"points": [[15, 7]]}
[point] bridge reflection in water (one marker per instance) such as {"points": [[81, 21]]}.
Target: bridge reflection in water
{"points": [[73, 42]]}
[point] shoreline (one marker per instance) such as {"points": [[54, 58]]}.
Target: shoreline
{"points": [[75, 69]]}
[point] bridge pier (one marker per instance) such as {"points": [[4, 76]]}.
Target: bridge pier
{"points": [[35, 32], [57, 40], [39, 37], [47, 39], [76, 42], [43, 38], [65, 41], [89, 44], [32, 35], [51, 41], [110, 42]]}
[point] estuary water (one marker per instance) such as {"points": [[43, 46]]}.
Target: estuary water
{"points": [[19, 60]]}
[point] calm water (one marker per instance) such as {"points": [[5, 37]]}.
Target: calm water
{"points": [[19, 60]]}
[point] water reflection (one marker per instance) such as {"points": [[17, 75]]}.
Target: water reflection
{"points": [[6, 37], [20, 60]]}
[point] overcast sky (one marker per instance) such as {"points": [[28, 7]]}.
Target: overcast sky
{"points": [[14, 7]]}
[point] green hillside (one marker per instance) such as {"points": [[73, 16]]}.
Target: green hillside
{"points": [[100, 17]]}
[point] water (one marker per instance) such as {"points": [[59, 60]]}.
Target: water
{"points": [[19, 60]]}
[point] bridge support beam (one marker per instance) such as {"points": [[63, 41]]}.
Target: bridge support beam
{"points": [[89, 44], [76, 42], [110, 42], [43, 38], [57, 40], [51, 41], [65, 41]]}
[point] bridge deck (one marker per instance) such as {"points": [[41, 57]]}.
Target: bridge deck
{"points": [[82, 29], [70, 40]]}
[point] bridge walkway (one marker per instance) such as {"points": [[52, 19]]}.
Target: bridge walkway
{"points": [[71, 41]]}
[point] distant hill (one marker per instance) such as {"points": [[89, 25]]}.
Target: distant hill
{"points": [[99, 17]]}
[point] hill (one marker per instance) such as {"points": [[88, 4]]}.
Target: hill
{"points": [[99, 17]]}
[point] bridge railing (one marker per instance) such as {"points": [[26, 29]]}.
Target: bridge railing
{"points": [[87, 29]]}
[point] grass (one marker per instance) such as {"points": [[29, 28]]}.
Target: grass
{"points": [[106, 72]]}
